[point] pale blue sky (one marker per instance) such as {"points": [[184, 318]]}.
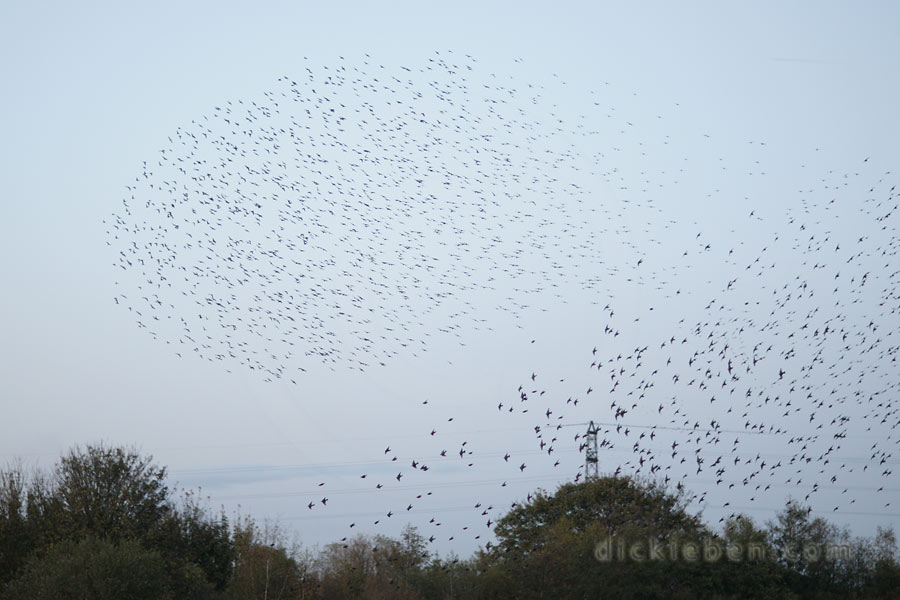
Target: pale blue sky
{"points": [[92, 90]]}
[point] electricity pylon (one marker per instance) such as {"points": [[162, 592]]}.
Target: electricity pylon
{"points": [[591, 468]]}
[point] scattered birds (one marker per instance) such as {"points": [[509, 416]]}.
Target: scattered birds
{"points": [[348, 216]]}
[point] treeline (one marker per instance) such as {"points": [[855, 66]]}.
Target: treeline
{"points": [[103, 524]]}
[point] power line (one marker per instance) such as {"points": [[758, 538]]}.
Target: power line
{"points": [[673, 428], [818, 512], [461, 508], [386, 490], [439, 460]]}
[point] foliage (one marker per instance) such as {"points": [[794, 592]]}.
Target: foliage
{"points": [[265, 567], [103, 524], [193, 539], [93, 568], [16, 540], [116, 495], [547, 545]]}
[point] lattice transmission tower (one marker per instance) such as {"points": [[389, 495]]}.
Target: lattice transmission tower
{"points": [[591, 467]]}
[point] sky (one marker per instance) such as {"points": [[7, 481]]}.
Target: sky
{"points": [[634, 159]]}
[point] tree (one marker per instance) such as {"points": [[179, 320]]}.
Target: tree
{"points": [[15, 539], [195, 544], [806, 548], [450, 577], [883, 578], [265, 567], [547, 546], [370, 567], [116, 495], [113, 492], [747, 569], [92, 568], [401, 561], [607, 505]]}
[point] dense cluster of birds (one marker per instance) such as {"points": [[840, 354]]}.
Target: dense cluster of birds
{"points": [[351, 213], [356, 211]]}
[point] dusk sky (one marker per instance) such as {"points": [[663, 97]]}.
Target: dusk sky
{"points": [[267, 243]]}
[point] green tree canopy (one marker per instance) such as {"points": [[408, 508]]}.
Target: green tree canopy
{"points": [[606, 506], [93, 568], [546, 546], [116, 495]]}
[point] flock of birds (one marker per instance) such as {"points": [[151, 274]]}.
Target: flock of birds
{"points": [[356, 211]]}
